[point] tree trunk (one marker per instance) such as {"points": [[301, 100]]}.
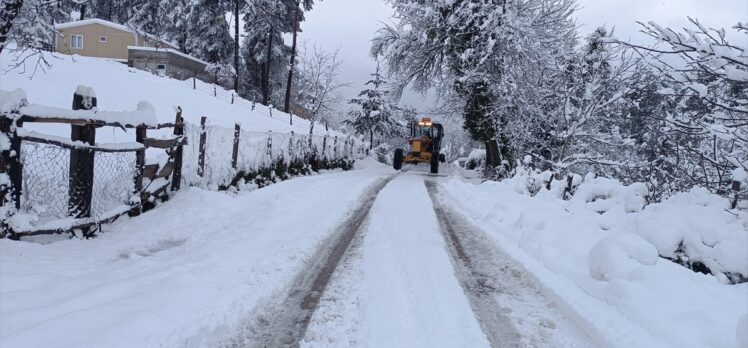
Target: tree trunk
{"points": [[8, 13], [293, 57], [493, 157], [266, 71], [371, 139], [83, 11], [236, 46]]}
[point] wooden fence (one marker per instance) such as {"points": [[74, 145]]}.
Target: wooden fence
{"points": [[218, 159], [81, 172]]}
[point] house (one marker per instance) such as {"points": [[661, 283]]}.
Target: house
{"points": [[99, 38]]}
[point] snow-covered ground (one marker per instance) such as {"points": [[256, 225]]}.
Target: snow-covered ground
{"points": [[598, 258], [184, 274], [401, 290], [201, 268], [120, 88]]}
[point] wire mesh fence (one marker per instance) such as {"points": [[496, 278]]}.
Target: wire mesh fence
{"points": [[257, 151], [46, 181], [47, 173], [113, 184]]}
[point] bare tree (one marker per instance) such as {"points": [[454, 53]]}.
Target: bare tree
{"points": [[317, 83]]}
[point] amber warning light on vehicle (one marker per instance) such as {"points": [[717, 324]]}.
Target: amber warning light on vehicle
{"points": [[425, 122]]}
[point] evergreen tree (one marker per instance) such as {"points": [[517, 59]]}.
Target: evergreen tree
{"points": [[263, 50], [209, 39], [374, 113]]}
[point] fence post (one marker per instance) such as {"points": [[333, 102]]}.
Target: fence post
{"points": [[270, 146], [81, 171], [324, 147], [140, 135], [736, 193], [253, 105], [201, 156], [194, 83], [335, 148], [235, 152], [176, 177], [290, 118], [232, 98], [291, 152], [11, 163]]}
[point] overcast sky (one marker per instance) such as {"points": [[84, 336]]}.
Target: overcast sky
{"points": [[349, 25]]}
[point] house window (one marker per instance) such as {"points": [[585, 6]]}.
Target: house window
{"points": [[76, 41], [102, 39]]}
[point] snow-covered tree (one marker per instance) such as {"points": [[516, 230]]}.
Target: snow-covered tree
{"points": [[707, 131], [374, 113], [317, 84], [29, 25], [263, 50], [490, 54], [149, 17], [209, 38]]}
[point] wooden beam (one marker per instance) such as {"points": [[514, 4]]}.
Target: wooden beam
{"points": [[164, 143], [34, 139]]}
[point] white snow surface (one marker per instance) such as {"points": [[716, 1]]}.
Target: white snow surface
{"points": [[597, 258], [185, 274], [11, 101], [402, 291], [119, 87]]}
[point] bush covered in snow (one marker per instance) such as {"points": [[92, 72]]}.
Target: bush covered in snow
{"points": [[692, 228]]}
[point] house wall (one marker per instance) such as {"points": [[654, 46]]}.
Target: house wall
{"points": [[175, 66], [114, 48]]}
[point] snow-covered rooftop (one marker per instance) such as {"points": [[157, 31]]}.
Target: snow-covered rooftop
{"points": [[169, 50]]}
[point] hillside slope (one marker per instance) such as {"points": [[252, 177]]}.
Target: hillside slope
{"points": [[119, 87]]}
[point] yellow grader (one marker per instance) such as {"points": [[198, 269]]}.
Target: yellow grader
{"points": [[425, 143]]}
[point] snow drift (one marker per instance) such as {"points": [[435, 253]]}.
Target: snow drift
{"points": [[604, 243]]}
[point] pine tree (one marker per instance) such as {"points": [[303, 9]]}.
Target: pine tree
{"points": [[209, 39], [263, 50], [374, 113]]}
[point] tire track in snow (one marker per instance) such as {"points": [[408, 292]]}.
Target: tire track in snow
{"points": [[283, 323], [509, 308]]}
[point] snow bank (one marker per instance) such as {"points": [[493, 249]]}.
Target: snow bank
{"points": [[620, 256], [11, 101], [597, 257]]}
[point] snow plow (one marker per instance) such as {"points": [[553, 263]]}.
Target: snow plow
{"points": [[425, 143]]}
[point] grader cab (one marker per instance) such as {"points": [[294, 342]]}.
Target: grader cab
{"points": [[425, 144]]}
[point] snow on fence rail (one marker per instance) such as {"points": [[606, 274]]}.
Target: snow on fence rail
{"points": [[231, 156], [51, 184]]}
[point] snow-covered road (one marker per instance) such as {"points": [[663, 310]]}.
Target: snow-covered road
{"points": [[366, 258], [400, 286]]}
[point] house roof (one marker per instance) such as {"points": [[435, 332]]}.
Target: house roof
{"points": [[169, 50], [114, 26]]}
